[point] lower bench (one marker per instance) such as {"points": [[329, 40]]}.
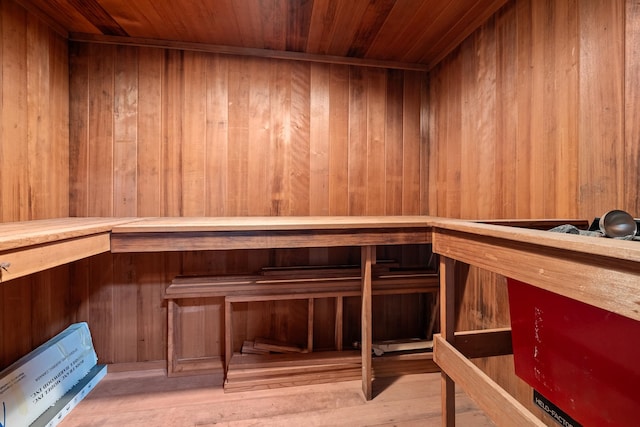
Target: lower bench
{"points": [[306, 284]]}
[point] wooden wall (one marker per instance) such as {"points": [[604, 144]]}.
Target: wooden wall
{"points": [[168, 132], [34, 169], [536, 115], [180, 133], [34, 118]]}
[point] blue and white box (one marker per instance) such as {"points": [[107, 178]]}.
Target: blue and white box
{"points": [[33, 384]]}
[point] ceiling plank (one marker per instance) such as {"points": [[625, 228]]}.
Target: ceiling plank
{"points": [[374, 16], [242, 51], [298, 24], [95, 14], [457, 33], [399, 31]]}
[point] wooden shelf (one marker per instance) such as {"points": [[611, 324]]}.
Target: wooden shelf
{"points": [[190, 234], [31, 246]]}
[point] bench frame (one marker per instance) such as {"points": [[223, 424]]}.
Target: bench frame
{"points": [[289, 284]]}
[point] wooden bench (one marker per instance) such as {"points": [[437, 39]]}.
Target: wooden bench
{"points": [[289, 284], [28, 247]]}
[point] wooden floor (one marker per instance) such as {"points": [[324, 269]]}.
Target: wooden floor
{"points": [[149, 398]]}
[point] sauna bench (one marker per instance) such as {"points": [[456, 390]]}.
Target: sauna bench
{"points": [[288, 284], [27, 247], [601, 272], [219, 233]]}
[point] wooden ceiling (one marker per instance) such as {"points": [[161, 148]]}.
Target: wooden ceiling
{"points": [[402, 31]]}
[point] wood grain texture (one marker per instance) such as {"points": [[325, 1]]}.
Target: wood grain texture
{"points": [[201, 134], [502, 408], [409, 400], [34, 171], [532, 139], [387, 30], [15, 195], [601, 101], [632, 109], [553, 82], [264, 129]]}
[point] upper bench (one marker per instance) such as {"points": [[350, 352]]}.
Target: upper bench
{"points": [[27, 247]]}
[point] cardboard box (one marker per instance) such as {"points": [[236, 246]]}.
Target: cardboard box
{"points": [[38, 380]]}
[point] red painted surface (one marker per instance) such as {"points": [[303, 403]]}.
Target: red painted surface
{"points": [[583, 359]]}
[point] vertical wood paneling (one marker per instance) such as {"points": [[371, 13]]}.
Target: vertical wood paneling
{"points": [[79, 130], [601, 134], [523, 110], [411, 143], [376, 112], [237, 150], [41, 147], [547, 96], [171, 119], [125, 130], [194, 150], [16, 319], [217, 134], [34, 170], [59, 189], [357, 151], [299, 175], [485, 124], [151, 311], [102, 320], [632, 108], [339, 112], [543, 101], [537, 146], [506, 106], [124, 308], [149, 284], [279, 165], [206, 134], [100, 182], [51, 304], [393, 152], [149, 133], [319, 122], [15, 149], [319, 152], [564, 92], [259, 139]]}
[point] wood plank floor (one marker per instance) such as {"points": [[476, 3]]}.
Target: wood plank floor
{"points": [[149, 398]]}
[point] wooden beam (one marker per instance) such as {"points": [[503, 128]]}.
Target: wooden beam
{"points": [[484, 343], [367, 257], [310, 317], [244, 51], [447, 325], [228, 333], [338, 324], [524, 255], [267, 239], [500, 406], [31, 259]]}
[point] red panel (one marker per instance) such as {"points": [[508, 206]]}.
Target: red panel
{"points": [[583, 359]]}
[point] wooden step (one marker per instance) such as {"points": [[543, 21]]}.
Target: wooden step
{"points": [[256, 372]]}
